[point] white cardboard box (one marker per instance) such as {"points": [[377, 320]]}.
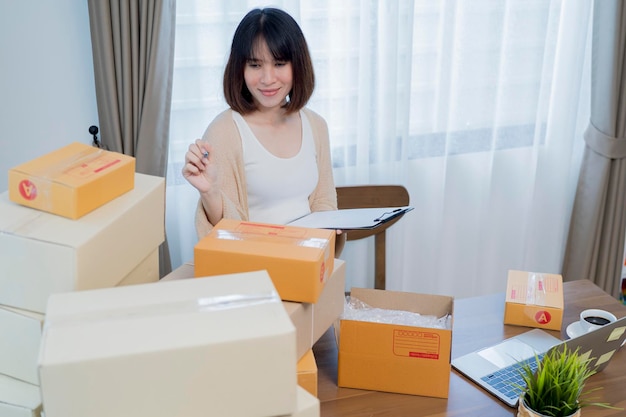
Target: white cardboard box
{"points": [[311, 320], [221, 346], [42, 254], [20, 335], [147, 271], [307, 405], [18, 398]]}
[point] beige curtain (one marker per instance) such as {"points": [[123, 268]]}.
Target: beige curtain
{"points": [[133, 54], [595, 246]]}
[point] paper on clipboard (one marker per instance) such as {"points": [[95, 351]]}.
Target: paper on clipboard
{"points": [[350, 219]]}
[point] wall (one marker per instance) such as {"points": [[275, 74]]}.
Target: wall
{"points": [[47, 88]]}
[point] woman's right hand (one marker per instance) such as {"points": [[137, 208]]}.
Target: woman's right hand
{"points": [[199, 168]]}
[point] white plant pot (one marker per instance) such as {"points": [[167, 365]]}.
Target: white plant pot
{"points": [[524, 411]]}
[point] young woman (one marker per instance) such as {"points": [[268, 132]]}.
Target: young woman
{"points": [[266, 158]]}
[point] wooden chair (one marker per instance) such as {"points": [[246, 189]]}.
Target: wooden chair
{"points": [[371, 196]]}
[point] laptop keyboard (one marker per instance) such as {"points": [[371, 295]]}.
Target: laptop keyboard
{"points": [[509, 380]]}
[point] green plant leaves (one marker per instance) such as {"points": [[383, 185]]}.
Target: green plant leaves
{"points": [[556, 388]]}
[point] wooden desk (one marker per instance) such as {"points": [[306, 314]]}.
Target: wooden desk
{"points": [[477, 323]]}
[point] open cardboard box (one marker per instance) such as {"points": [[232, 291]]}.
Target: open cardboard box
{"points": [[396, 358], [298, 259]]}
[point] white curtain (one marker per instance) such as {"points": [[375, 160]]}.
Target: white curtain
{"points": [[477, 107]]}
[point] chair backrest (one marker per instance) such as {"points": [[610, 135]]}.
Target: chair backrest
{"points": [[372, 196]]}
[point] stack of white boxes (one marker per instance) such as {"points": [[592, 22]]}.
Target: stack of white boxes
{"points": [[311, 321], [193, 348], [43, 254]]}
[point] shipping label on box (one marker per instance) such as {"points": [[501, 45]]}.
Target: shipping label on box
{"points": [[221, 346], [72, 181], [387, 357], [42, 254], [299, 260], [534, 300], [20, 336], [18, 398]]}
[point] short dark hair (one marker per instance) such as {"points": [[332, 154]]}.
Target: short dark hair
{"points": [[285, 41]]}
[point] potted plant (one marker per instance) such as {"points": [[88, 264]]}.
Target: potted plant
{"points": [[556, 387]]}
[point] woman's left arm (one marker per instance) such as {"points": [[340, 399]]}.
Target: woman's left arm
{"points": [[324, 197]]}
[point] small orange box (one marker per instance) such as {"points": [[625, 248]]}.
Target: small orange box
{"points": [[299, 260], [397, 358], [307, 373], [72, 181], [534, 300]]}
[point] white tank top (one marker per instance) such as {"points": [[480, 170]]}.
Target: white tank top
{"points": [[278, 188]]}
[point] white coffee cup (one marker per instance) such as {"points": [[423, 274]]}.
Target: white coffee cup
{"points": [[593, 318]]}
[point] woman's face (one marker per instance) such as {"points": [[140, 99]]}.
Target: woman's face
{"points": [[269, 81]]}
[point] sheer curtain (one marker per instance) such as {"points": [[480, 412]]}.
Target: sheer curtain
{"points": [[476, 107]]}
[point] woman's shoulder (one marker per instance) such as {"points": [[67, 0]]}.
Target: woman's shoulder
{"points": [[221, 124], [222, 134], [314, 117]]}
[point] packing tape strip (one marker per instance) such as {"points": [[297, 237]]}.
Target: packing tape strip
{"points": [[311, 242], [201, 304], [535, 289], [44, 177]]}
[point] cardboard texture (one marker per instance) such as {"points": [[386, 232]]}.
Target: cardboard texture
{"points": [[42, 254], [311, 320], [147, 271], [18, 398], [299, 260], [307, 373], [20, 336], [387, 357], [534, 300], [72, 181], [192, 348], [307, 405]]}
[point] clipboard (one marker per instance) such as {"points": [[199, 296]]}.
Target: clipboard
{"points": [[350, 219]]}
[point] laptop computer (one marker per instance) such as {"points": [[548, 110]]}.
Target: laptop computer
{"points": [[496, 368]]}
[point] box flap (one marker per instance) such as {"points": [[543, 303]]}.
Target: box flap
{"points": [[425, 304]]}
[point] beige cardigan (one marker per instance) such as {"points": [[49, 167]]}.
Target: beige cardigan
{"points": [[224, 136]]}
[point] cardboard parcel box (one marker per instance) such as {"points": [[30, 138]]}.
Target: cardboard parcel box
{"points": [[73, 180], [311, 320], [18, 398], [298, 259], [397, 358], [41, 253], [20, 336], [307, 372], [534, 300], [222, 346]]}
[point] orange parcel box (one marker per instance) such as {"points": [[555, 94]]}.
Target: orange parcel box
{"points": [[72, 181], [299, 260], [383, 356], [534, 300]]}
